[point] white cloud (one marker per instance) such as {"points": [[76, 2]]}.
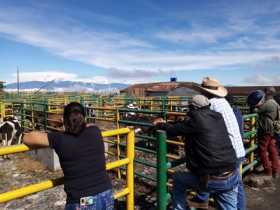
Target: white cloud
{"points": [[193, 36], [43, 76], [262, 80], [95, 79], [126, 57]]}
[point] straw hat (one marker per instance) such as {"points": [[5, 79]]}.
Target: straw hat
{"points": [[213, 86]]}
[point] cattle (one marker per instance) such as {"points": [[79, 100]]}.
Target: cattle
{"points": [[90, 112], [10, 131]]}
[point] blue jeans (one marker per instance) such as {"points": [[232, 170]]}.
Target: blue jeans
{"points": [[241, 198], [224, 191], [102, 201]]}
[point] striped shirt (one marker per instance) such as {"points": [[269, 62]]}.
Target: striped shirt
{"points": [[222, 106]]}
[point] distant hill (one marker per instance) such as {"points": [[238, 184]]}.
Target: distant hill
{"points": [[66, 86]]}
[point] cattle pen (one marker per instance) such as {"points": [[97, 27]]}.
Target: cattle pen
{"points": [[151, 159]]}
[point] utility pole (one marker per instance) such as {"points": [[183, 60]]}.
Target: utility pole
{"points": [[18, 80]]}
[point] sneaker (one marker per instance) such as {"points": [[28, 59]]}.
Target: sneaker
{"points": [[197, 203]]}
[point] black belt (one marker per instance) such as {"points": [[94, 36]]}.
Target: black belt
{"points": [[222, 176]]}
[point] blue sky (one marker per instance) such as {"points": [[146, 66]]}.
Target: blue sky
{"points": [[238, 42]]}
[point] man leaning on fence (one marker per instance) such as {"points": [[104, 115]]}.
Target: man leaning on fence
{"points": [[210, 156], [268, 112], [216, 93]]}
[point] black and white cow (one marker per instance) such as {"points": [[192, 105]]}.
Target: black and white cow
{"points": [[10, 131]]}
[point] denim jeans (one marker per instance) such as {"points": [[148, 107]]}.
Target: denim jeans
{"points": [[241, 198], [102, 201], [224, 191]]}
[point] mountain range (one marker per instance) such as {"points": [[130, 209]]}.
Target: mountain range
{"points": [[65, 86]]}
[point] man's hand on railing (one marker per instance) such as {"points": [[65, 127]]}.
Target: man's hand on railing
{"points": [[158, 120]]}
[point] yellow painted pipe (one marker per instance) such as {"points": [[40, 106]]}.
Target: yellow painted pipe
{"points": [[45, 185], [14, 194], [175, 142], [117, 163], [174, 157], [14, 149], [122, 193], [109, 141], [130, 170], [120, 131], [23, 148]]}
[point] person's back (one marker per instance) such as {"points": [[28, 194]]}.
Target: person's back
{"points": [[81, 153], [210, 147], [267, 114], [210, 156], [222, 106], [83, 162], [211, 88]]}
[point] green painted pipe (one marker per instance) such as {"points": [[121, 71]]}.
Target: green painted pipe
{"points": [[142, 162], [247, 116], [141, 149], [151, 178], [145, 137], [127, 122], [161, 171], [144, 111], [250, 134], [145, 163]]}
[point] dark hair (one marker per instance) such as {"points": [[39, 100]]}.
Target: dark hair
{"points": [[270, 91], [74, 118], [231, 99]]}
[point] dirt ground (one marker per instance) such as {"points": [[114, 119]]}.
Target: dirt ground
{"points": [[264, 198]]}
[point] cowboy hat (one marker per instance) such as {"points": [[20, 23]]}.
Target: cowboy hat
{"points": [[213, 86]]}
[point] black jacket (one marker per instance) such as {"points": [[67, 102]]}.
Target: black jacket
{"points": [[208, 147]]}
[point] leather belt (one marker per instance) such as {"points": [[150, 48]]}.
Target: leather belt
{"points": [[222, 176]]}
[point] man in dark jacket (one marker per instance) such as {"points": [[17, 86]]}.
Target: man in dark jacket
{"points": [[266, 107], [210, 156]]}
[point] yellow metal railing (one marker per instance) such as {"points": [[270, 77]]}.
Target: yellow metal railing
{"points": [[2, 110], [128, 160]]}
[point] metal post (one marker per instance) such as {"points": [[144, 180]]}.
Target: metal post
{"points": [[22, 115], [130, 170], [161, 171], [46, 116], [118, 140]]}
